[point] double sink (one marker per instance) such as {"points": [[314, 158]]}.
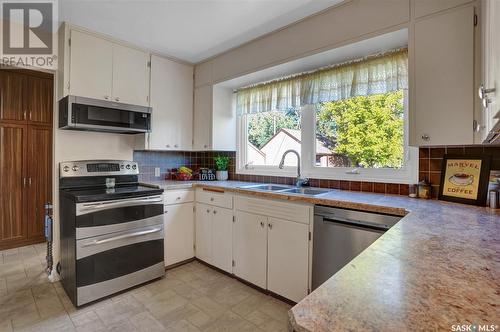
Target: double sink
{"points": [[286, 189]]}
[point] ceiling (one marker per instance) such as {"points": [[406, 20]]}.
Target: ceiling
{"points": [[191, 30]]}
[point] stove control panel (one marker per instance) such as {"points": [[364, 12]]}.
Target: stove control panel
{"points": [[97, 168]]}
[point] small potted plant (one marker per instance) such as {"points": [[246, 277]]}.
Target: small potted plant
{"points": [[221, 163]]}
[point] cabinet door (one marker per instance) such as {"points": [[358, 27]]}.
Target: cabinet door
{"points": [[39, 187], [426, 7], [12, 87], [222, 244], [91, 66], [179, 233], [12, 220], [444, 78], [172, 103], [130, 75], [39, 101], [288, 257], [492, 63], [202, 118], [204, 232], [250, 248]]}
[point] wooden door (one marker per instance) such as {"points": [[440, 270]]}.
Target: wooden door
{"points": [[179, 233], [12, 87], [202, 130], [288, 258], [204, 232], [130, 75], [222, 244], [12, 184], [39, 182], [39, 101], [444, 89], [91, 66], [172, 102], [250, 248]]}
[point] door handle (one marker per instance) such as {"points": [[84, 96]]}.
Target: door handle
{"points": [[120, 237]]}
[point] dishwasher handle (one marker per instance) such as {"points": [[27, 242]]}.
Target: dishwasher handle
{"points": [[356, 223]]}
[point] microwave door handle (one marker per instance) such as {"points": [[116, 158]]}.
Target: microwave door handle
{"points": [[95, 207], [120, 237]]}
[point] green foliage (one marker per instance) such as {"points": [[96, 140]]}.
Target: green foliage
{"points": [[369, 130], [263, 126], [221, 163]]}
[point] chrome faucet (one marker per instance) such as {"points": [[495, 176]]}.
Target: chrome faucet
{"points": [[300, 181]]}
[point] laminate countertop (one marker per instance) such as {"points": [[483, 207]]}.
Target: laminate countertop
{"points": [[439, 267]]}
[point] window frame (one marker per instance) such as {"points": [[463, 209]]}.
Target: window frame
{"points": [[408, 174]]}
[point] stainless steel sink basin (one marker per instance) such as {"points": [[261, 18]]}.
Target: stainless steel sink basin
{"points": [[265, 187], [306, 191], [286, 189]]}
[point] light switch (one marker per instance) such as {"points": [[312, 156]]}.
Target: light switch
{"points": [[157, 172]]}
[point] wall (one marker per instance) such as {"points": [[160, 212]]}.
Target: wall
{"points": [[430, 162], [346, 23]]}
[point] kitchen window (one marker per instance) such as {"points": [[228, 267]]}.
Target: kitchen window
{"points": [[348, 122]]}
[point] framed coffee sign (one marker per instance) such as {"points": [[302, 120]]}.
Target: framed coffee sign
{"points": [[464, 179]]}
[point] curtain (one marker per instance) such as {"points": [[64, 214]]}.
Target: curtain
{"points": [[374, 75]]}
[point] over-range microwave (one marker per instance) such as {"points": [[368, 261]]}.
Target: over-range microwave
{"points": [[80, 113]]}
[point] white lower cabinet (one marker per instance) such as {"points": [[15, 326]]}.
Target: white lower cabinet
{"points": [[203, 232], [213, 235], [179, 233], [222, 247], [250, 248], [287, 258]]}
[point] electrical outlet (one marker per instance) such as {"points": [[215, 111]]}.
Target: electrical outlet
{"points": [[157, 172]]}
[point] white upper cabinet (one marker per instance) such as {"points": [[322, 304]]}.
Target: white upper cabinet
{"points": [[172, 103], [491, 72], [101, 69], [444, 90], [91, 71], [202, 135], [130, 75]]}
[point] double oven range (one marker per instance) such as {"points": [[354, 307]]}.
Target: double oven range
{"points": [[111, 229]]}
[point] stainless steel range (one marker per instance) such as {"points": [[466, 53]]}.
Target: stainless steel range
{"points": [[111, 229]]}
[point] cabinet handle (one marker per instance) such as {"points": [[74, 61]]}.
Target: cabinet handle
{"points": [[215, 212], [208, 211], [262, 224], [211, 199], [24, 182], [175, 146], [117, 99], [476, 127], [29, 182], [270, 226], [482, 92], [425, 137], [24, 115], [168, 145], [106, 97], [178, 198], [486, 102], [30, 115], [205, 146]]}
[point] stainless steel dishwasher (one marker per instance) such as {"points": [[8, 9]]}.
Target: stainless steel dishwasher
{"points": [[340, 235]]}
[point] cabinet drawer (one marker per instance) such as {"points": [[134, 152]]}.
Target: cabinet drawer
{"points": [[178, 196], [214, 197], [282, 210]]}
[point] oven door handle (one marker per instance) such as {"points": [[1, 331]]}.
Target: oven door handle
{"points": [[120, 237], [94, 207]]}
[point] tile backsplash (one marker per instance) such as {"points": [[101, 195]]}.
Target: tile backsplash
{"points": [[430, 162]]}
